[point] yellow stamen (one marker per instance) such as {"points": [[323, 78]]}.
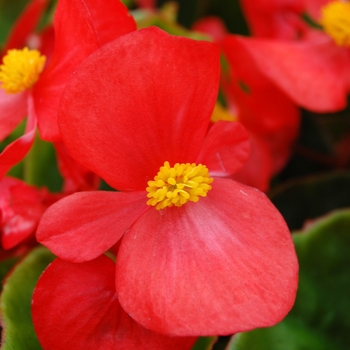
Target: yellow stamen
{"points": [[221, 113], [178, 185], [335, 21], [20, 70]]}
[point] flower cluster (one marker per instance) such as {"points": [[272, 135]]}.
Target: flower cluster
{"points": [[165, 147]]}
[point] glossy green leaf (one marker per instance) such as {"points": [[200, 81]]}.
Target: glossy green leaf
{"points": [[18, 332], [310, 197], [320, 318], [204, 343]]}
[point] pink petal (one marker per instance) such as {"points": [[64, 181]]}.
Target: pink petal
{"points": [[18, 149], [133, 109], [84, 225], [226, 148], [75, 306], [13, 110], [223, 265], [81, 27]]}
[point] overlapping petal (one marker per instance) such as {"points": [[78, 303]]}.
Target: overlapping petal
{"points": [[257, 171], [262, 106], [75, 306], [313, 74], [76, 177], [13, 110], [84, 225], [21, 207], [226, 148], [219, 266], [81, 27], [264, 109], [279, 19], [128, 110], [17, 150]]}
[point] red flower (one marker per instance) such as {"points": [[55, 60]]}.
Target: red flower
{"points": [[21, 207], [269, 115], [307, 64], [216, 265], [81, 27], [75, 306]]}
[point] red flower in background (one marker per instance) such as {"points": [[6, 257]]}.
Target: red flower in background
{"points": [[215, 265], [304, 62], [81, 27], [270, 116], [21, 207]]}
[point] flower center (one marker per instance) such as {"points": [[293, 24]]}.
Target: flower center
{"points": [[335, 21], [178, 185], [20, 69], [221, 113]]}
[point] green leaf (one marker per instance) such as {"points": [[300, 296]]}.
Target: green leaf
{"points": [[204, 343], [18, 332], [320, 318]]}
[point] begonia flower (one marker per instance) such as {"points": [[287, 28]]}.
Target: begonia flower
{"points": [[81, 27], [198, 254], [310, 65], [75, 306], [270, 116], [278, 19], [21, 207]]}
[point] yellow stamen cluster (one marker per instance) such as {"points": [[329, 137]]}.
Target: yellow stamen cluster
{"points": [[20, 70], [221, 113], [178, 185], [335, 21]]}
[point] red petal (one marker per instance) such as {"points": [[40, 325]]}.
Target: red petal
{"points": [[146, 4], [141, 100], [84, 225], [280, 19], [18, 149], [81, 27], [75, 306], [249, 91], [257, 171], [25, 25], [76, 177], [314, 74], [223, 265], [213, 26], [13, 110], [313, 8], [226, 148], [21, 207]]}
